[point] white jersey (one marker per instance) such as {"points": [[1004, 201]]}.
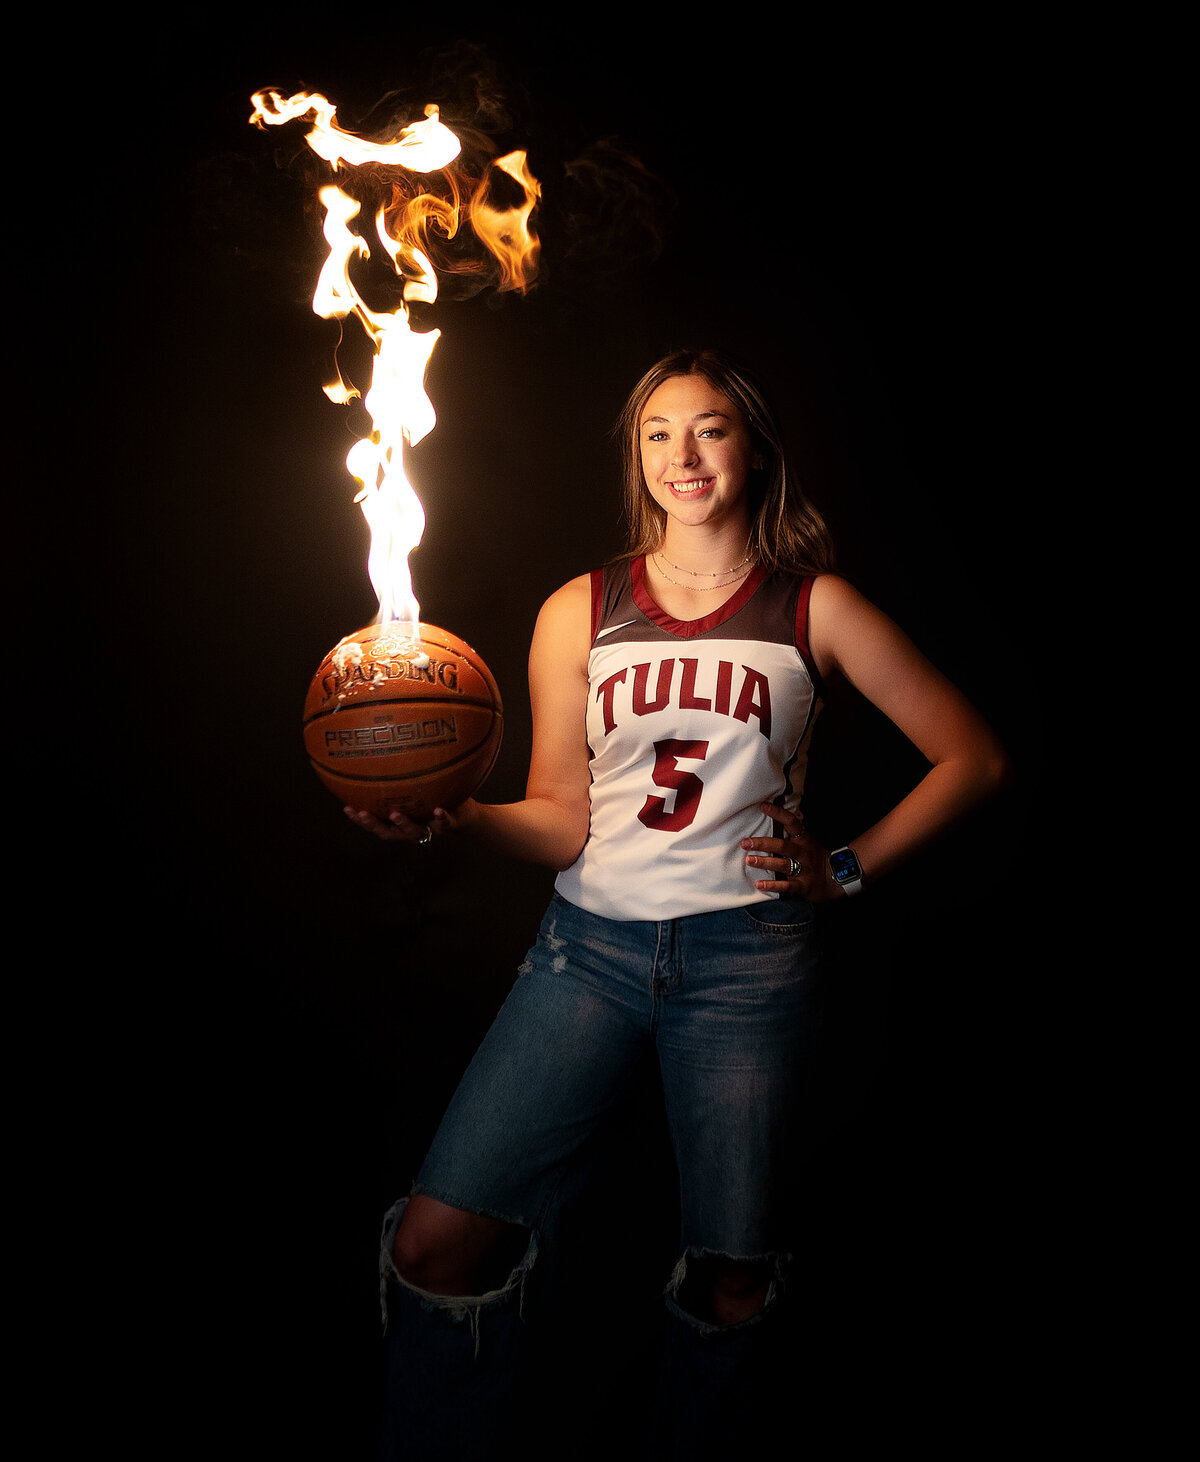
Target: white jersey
{"points": [[692, 724]]}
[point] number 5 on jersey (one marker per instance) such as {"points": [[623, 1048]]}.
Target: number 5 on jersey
{"points": [[687, 786]]}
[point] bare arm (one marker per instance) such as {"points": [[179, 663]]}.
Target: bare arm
{"points": [[850, 636], [550, 824]]}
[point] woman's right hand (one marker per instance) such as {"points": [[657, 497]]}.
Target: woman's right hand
{"points": [[397, 828]]}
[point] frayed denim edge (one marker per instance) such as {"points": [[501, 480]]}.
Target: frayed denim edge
{"points": [[774, 1290], [458, 1307]]}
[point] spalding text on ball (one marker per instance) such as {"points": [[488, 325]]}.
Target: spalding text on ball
{"points": [[393, 723]]}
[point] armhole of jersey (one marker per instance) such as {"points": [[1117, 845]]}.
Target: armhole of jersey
{"points": [[597, 601], [802, 645]]}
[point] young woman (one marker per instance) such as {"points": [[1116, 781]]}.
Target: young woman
{"points": [[673, 694]]}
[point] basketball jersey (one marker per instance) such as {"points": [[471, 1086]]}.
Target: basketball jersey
{"points": [[691, 724]]}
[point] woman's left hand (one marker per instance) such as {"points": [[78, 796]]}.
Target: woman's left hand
{"points": [[796, 865]]}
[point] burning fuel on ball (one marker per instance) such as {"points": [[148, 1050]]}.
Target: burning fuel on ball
{"points": [[402, 715]]}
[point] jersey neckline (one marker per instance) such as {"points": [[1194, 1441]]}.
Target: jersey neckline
{"points": [[687, 629]]}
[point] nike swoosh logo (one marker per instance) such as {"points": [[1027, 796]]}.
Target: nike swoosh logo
{"points": [[613, 628]]}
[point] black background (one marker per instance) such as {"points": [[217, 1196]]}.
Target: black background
{"points": [[280, 1006]]}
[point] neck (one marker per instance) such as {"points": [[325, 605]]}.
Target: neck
{"points": [[705, 552], [709, 572]]}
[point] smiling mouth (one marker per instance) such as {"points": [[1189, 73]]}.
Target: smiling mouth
{"points": [[691, 488]]}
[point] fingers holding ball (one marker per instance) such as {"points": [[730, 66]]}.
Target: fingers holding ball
{"points": [[394, 829]]}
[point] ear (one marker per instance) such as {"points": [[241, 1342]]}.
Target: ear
{"points": [[756, 462]]}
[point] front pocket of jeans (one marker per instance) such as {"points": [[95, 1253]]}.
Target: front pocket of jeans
{"points": [[791, 918]]}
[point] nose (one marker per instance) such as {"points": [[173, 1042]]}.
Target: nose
{"points": [[685, 452]]}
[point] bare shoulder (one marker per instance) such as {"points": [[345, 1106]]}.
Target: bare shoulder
{"points": [[851, 636], [830, 595], [574, 594], [564, 623], [840, 618]]}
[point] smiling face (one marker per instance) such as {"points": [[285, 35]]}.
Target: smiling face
{"points": [[696, 453]]}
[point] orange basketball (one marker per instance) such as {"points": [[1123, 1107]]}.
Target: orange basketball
{"points": [[392, 724]]}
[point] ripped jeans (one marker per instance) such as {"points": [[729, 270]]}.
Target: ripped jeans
{"points": [[724, 1002]]}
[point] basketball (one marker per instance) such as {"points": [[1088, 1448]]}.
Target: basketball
{"points": [[393, 724]]}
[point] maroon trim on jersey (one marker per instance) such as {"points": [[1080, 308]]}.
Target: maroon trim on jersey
{"points": [[597, 577], [802, 644], [687, 629]]}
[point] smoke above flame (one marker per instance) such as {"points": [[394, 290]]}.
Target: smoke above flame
{"points": [[423, 193]]}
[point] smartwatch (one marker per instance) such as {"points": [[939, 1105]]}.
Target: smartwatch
{"points": [[846, 870]]}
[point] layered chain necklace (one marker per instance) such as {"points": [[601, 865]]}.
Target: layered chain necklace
{"points": [[740, 570]]}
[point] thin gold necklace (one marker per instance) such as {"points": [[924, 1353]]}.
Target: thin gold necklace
{"points": [[703, 588], [702, 573]]}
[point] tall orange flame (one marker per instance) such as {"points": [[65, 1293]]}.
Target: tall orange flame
{"points": [[400, 410]]}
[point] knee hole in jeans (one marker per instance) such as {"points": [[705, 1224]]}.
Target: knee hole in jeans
{"points": [[722, 1291], [451, 1251]]}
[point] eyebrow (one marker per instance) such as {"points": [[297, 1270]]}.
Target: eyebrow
{"points": [[700, 416]]}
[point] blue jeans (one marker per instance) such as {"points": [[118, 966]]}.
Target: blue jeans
{"points": [[724, 1003]]}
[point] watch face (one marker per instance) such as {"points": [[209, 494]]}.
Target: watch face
{"points": [[845, 866]]}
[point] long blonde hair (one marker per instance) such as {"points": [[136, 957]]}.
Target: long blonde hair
{"points": [[787, 532]]}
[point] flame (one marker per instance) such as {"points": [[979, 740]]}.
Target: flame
{"points": [[506, 232], [423, 146], [405, 227]]}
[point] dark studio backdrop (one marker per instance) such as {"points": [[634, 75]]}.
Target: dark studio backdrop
{"points": [[856, 216]]}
